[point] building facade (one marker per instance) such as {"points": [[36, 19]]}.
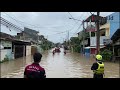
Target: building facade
{"points": [[11, 47]]}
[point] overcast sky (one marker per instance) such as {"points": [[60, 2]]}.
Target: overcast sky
{"points": [[53, 25]]}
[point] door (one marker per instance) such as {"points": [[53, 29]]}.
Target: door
{"points": [[19, 51]]}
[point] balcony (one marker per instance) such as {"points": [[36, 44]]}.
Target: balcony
{"points": [[93, 40]]}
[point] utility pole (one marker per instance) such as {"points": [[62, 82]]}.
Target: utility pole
{"points": [[47, 42], [98, 35], [68, 38], [83, 37]]}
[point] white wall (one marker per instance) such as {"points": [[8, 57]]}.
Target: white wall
{"points": [[6, 43], [28, 50], [93, 40], [3, 52]]}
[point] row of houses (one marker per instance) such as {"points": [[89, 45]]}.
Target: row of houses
{"points": [[20, 45], [109, 33]]}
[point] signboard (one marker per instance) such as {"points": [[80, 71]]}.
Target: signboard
{"points": [[90, 30], [107, 41]]}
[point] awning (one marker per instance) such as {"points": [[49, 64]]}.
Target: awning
{"points": [[116, 35], [107, 25], [18, 42], [94, 47]]}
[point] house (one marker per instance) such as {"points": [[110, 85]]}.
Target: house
{"points": [[21, 48], [91, 29], [116, 43], [113, 23], [33, 37], [12, 48], [31, 34], [112, 28], [85, 40], [114, 20], [6, 50], [108, 27]]}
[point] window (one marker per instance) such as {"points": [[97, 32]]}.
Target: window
{"points": [[102, 32], [7, 47], [92, 34]]}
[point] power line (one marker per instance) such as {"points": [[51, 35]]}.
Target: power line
{"points": [[72, 17], [47, 27], [78, 29], [27, 23], [9, 24], [70, 14], [30, 24], [92, 13], [18, 21], [58, 33], [64, 31], [82, 14], [12, 18]]}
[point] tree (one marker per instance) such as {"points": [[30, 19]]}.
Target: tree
{"points": [[75, 40], [82, 35], [75, 43]]}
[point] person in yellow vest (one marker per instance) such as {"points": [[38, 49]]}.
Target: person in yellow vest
{"points": [[98, 67]]}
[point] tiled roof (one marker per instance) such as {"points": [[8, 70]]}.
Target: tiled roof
{"points": [[6, 36]]}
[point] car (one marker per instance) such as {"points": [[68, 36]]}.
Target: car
{"points": [[57, 49]]}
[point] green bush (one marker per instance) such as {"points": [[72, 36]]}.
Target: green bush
{"points": [[106, 54], [76, 48]]}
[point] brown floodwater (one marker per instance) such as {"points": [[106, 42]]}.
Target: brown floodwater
{"points": [[59, 65]]}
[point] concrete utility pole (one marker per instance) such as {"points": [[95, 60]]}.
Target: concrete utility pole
{"points": [[47, 42], [98, 34], [68, 39], [83, 37]]}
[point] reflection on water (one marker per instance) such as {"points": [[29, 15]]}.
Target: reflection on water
{"points": [[71, 65]]}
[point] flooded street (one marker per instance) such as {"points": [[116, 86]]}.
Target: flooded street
{"points": [[71, 65]]}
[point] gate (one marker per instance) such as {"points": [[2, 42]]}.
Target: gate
{"points": [[19, 49]]}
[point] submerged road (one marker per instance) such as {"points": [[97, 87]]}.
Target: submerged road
{"points": [[71, 65]]}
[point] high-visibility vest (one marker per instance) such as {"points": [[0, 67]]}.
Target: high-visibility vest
{"points": [[100, 69]]}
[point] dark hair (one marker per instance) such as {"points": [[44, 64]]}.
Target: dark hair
{"points": [[37, 57]]}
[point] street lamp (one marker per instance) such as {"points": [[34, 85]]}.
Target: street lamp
{"points": [[75, 19], [83, 30]]}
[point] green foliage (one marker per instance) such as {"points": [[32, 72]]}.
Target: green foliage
{"points": [[75, 40], [75, 43], [106, 54], [76, 48], [84, 35], [46, 45]]}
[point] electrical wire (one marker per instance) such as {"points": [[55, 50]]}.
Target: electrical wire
{"points": [[20, 22], [51, 27], [77, 29], [34, 26], [72, 17], [29, 34]]}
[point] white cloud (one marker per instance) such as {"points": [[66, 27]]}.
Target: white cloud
{"points": [[50, 22]]}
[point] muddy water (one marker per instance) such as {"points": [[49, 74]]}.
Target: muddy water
{"points": [[71, 65]]}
